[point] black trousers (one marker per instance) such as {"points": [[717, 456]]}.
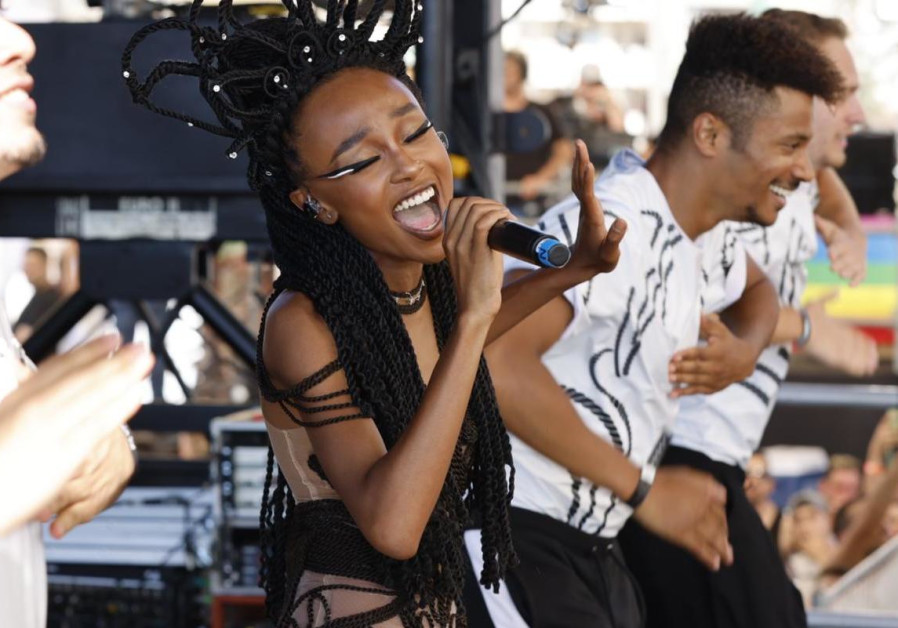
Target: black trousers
{"points": [[680, 592], [566, 579]]}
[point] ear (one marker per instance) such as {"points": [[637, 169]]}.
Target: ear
{"points": [[307, 204], [298, 197], [709, 134]]}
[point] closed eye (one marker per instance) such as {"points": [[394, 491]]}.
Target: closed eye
{"points": [[421, 130], [350, 169], [361, 165]]}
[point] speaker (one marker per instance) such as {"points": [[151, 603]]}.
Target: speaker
{"points": [[869, 171]]}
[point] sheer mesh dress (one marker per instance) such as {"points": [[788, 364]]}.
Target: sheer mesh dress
{"points": [[333, 576]]}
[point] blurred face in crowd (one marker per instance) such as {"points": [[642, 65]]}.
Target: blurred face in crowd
{"points": [[514, 76], [810, 522], [834, 123], [840, 486], [20, 143], [758, 483], [35, 268], [592, 101]]}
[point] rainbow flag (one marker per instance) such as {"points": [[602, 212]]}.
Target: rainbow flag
{"points": [[872, 305]]}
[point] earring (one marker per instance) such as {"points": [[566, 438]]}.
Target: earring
{"points": [[444, 140], [313, 207]]}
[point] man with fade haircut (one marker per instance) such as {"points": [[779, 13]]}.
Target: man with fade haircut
{"points": [[586, 384], [717, 433]]}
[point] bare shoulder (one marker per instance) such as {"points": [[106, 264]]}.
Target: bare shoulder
{"points": [[297, 340]]}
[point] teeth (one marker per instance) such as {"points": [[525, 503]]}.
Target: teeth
{"points": [[779, 191], [415, 200]]}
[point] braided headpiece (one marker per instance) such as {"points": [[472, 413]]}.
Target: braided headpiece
{"points": [[250, 72]]}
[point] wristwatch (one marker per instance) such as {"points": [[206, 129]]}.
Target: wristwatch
{"points": [[646, 477], [805, 328]]}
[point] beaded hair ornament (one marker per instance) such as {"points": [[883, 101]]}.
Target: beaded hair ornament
{"points": [[247, 71]]}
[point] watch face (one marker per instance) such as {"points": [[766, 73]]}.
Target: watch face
{"points": [[648, 474]]}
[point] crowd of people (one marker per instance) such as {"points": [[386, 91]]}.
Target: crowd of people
{"points": [[576, 440], [831, 524]]}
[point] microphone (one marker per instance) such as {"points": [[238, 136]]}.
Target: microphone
{"points": [[525, 243]]}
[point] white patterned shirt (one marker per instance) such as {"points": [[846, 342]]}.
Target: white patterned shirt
{"points": [[612, 360], [727, 426]]}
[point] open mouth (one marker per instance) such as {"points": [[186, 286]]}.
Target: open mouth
{"points": [[419, 213], [780, 192]]}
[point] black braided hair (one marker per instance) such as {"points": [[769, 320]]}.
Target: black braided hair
{"points": [[255, 78]]}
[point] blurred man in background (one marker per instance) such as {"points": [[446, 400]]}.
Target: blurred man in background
{"points": [[62, 453], [593, 115], [45, 297], [532, 175]]}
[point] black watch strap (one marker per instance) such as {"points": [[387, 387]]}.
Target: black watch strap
{"points": [[646, 478]]}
